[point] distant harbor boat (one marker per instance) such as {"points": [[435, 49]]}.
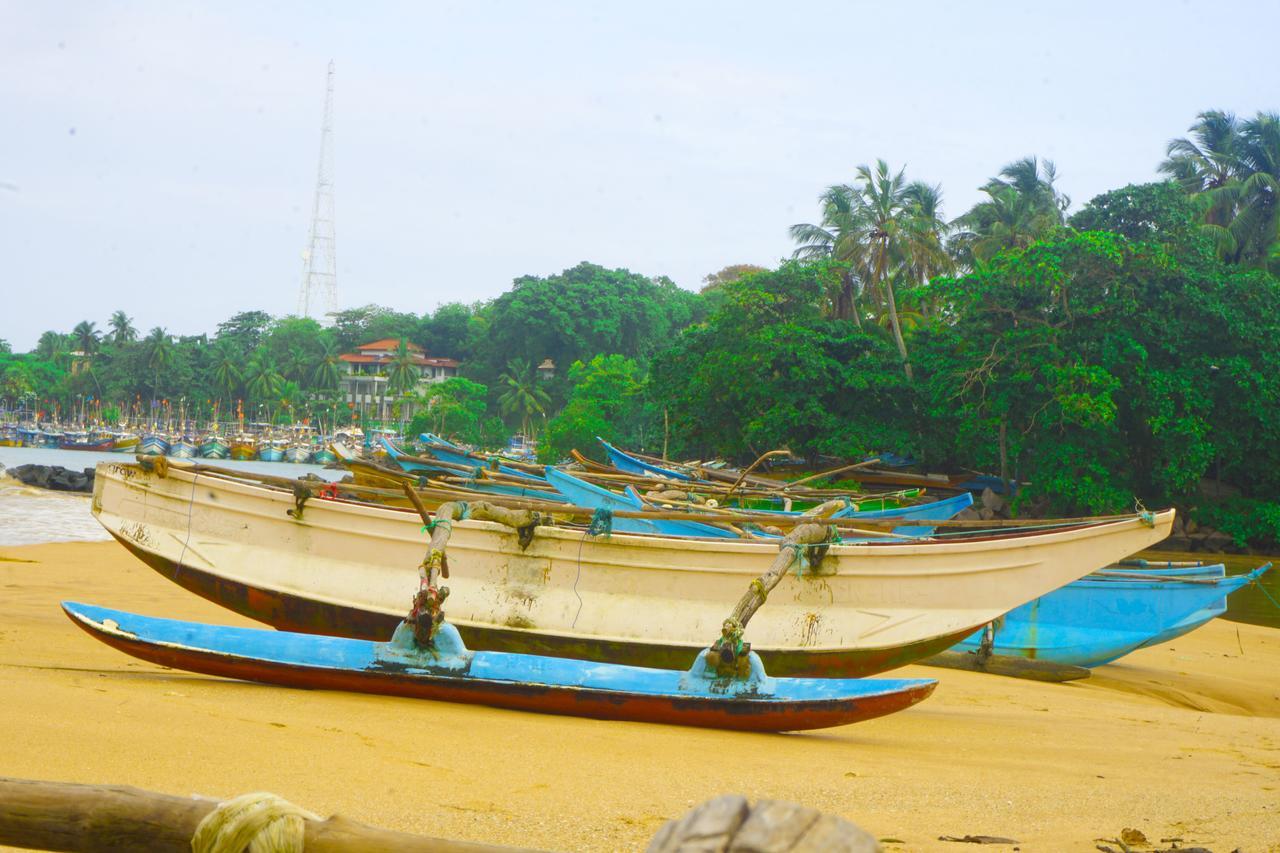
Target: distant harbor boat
{"points": [[183, 448], [153, 444], [87, 441], [214, 447]]}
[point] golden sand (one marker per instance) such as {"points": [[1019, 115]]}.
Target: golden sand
{"points": [[1180, 741]]}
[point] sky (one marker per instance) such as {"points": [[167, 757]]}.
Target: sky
{"points": [[160, 157]]}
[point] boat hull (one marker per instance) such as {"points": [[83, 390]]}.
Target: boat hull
{"points": [[105, 446], [152, 445], [351, 569], [1092, 622], [297, 455], [182, 450], [270, 454], [244, 451], [214, 450], [518, 682]]}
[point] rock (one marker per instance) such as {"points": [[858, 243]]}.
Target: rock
{"points": [[54, 477], [967, 514], [986, 514], [1191, 526], [992, 501], [729, 823], [1217, 541]]}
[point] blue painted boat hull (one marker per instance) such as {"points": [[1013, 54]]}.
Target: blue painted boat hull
{"points": [[1094, 621], [153, 445], [516, 681], [270, 454], [585, 494], [626, 462]]}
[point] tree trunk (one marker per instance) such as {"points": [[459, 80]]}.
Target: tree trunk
{"points": [[897, 327]]}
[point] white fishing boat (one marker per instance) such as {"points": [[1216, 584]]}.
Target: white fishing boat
{"points": [[351, 569]]}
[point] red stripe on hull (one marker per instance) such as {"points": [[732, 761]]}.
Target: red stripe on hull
{"points": [[739, 715]]}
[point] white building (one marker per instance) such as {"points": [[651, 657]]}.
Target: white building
{"points": [[369, 370]]}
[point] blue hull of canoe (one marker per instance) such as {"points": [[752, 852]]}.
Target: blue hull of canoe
{"points": [[397, 456], [1094, 621], [526, 682], [270, 454], [581, 493], [630, 464]]}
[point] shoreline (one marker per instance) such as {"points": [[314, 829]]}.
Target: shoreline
{"points": [[1179, 741]]}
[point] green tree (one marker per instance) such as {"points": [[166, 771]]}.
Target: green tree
{"points": [[160, 357], [608, 400], [326, 370], [122, 330], [262, 379], [522, 396], [454, 408], [86, 337], [1022, 206]]}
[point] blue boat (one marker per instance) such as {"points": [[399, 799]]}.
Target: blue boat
{"points": [[1098, 619], [449, 671], [630, 464], [183, 448], [589, 495], [153, 444], [469, 460], [270, 453], [448, 452], [581, 493]]}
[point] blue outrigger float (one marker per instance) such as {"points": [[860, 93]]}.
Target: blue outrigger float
{"points": [[448, 671], [1095, 620]]}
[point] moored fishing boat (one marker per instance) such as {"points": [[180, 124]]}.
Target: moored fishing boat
{"points": [[271, 451], [9, 436], [183, 448], [298, 453], [450, 672], [323, 456], [126, 442], [153, 444], [93, 441], [349, 569], [1100, 618], [244, 447], [214, 447]]}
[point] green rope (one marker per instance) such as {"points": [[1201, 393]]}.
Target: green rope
{"points": [[1262, 587], [601, 522]]}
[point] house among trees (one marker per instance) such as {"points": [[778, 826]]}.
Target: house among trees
{"points": [[380, 374]]}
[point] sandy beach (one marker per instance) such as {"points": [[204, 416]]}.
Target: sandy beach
{"points": [[1180, 742]]}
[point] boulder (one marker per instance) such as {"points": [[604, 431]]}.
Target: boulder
{"points": [[54, 477], [992, 501]]}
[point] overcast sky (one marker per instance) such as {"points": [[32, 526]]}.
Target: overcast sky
{"points": [[160, 157]]}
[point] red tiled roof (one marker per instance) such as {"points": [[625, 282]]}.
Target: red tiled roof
{"points": [[390, 344], [420, 360]]}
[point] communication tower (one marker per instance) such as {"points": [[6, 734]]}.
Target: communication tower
{"points": [[319, 291]]}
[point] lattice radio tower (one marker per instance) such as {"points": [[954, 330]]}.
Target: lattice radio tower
{"points": [[319, 267]]}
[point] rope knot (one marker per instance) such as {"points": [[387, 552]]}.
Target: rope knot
{"points": [[601, 522], [260, 822]]}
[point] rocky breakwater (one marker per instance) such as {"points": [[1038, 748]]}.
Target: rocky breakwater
{"points": [[53, 477]]}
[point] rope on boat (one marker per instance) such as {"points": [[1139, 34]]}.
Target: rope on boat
{"points": [[260, 822], [601, 522]]}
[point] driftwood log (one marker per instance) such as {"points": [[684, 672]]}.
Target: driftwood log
{"points": [[107, 818], [40, 815]]}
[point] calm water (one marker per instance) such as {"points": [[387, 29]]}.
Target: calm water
{"points": [[29, 516], [1249, 604]]}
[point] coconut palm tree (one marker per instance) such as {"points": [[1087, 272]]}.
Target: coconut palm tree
{"points": [[160, 357], [404, 373], [1022, 206], [523, 397], [225, 366], [261, 377], [122, 330], [86, 337], [326, 370], [49, 345]]}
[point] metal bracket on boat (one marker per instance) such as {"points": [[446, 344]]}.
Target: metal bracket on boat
{"points": [[446, 651], [427, 616], [705, 677]]}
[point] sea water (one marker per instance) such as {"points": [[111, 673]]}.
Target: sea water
{"points": [[30, 516]]}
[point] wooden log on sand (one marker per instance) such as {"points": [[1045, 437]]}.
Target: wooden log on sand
{"points": [[63, 816], [40, 815]]}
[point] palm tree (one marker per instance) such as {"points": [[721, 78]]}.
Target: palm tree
{"points": [[226, 370], [86, 337], [49, 345], [326, 372], [523, 396], [122, 330], [296, 366], [262, 380], [405, 373], [160, 355], [1022, 206], [1233, 169], [832, 239]]}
